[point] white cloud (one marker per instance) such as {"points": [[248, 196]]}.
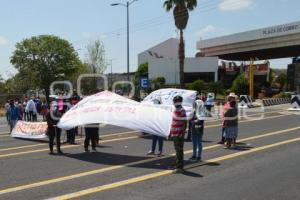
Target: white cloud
{"points": [[3, 41], [231, 5], [206, 30]]}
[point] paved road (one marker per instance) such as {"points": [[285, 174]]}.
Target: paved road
{"points": [[266, 165]]}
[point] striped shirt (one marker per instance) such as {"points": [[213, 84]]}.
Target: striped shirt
{"points": [[179, 121]]}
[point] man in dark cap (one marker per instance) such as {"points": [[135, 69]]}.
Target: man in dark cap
{"points": [[178, 127]]}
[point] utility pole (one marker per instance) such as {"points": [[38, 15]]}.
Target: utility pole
{"points": [[128, 3]]}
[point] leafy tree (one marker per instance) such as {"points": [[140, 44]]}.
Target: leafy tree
{"points": [[281, 80], [44, 59], [96, 57], [240, 85], [159, 82], [181, 10], [2, 85], [215, 87], [198, 86], [141, 71]]}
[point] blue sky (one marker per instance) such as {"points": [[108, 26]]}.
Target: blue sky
{"points": [[82, 21]]}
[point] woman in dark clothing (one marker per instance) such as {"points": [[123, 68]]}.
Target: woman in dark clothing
{"points": [[91, 134], [53, 131], [231, 125]]}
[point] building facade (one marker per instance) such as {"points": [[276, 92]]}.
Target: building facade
{"points": [[163, 62]]}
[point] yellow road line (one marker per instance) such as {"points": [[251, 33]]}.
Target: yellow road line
{"points": [[115, 134], [21, 147], [165, 172], [64, 147], [101, 170], [122, 133], [250, 120], [118, 139]]}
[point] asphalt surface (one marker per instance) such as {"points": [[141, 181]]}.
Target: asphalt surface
{"points": [[264, 166]]}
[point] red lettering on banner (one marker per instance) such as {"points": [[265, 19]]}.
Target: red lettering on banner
{"points": [[94, 109], [28, 128]]}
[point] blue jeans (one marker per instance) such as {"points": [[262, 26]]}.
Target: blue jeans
{"points": [[197, 145], [160, 140], [189, 133]]}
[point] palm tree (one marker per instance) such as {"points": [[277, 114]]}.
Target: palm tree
{"points": [[181, 10]]}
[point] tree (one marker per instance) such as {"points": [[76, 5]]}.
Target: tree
{"points": [[198, 86], [44, 59], [96, 57], [2, 84], [215, 87], [181, 10], [281, 80], [140, 72], [158, 82], [240, 85]]}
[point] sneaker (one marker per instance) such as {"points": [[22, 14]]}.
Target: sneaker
{"points": [[51, 153], [172, 167], [178, 171], [198, 159], [94, 149], [86, 150], [150, 153], [192, 158], [60, 152], [159, 153]]}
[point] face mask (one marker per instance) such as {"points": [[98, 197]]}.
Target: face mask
{"points": [[177, 106]]}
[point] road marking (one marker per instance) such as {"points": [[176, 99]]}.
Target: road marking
{"points": [[63, 147], [165, 172], [22, 147], [101, 170], [250, 120], [79, 139]]}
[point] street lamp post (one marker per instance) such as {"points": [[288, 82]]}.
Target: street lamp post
{"points": [[128, 3], [111, 78]]}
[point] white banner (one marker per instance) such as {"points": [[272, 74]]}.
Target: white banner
{"points": [[166, 96], [30, 130], [110, 108]]}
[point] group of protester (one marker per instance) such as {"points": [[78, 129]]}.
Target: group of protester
{"points": [[196, 129], [29, 109], [55, 112]]}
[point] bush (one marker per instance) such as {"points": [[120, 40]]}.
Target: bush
{"points": [[198, 85], [282, 95], [158, 82], [240, 85]]}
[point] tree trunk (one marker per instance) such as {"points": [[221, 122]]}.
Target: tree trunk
{"points": [[181, 57], [47, 93]]}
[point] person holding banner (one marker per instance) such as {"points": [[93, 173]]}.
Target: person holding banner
{"points": [[178, 127], [52, 117], [91, 134], [197, 130], [156, 138]]}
